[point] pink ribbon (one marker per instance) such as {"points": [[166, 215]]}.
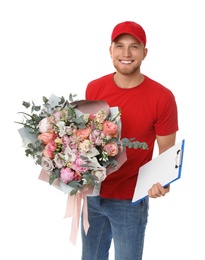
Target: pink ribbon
{"points": [[73, 210], [73, 207]]}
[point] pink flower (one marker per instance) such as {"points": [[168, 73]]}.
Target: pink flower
{"points": [[77, 165], [83, 133], [57, 115], [95, 138], [65, 141], [77, 176], [60, 115], [74, 142], [66, 174], [111, 149], [49, 149], [47, 137], [110, 128], [92, 116]]}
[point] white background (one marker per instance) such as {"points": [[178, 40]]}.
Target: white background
{"points": [[57, 47]]}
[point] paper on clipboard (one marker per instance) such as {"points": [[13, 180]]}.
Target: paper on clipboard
{"points": [[164, 169]]}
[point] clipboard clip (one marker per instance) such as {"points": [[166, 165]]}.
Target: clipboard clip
{"points": [[178, 159]]}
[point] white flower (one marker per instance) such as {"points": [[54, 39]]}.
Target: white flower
{"points": [[93, 152], [93, 163], [99, 173], [62, 128], [100, 116], [86, 117], [47, 164], [45, 125], [69, 155], [85, 146], [59, 160]]}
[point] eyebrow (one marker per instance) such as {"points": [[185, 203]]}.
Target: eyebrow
{"points": [[133, 43]]}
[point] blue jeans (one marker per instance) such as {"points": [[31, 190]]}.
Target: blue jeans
{"points": [[119, 220]]}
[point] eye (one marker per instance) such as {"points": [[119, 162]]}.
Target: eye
{"points": [[134, 46], [118, 45]]}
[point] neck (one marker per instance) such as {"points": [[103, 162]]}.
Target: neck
{"points": [[128, 81]]}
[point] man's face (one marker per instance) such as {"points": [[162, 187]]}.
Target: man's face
{"points": [[127, 54]]}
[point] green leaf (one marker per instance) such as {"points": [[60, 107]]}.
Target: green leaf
{"points": [[73, 192], [62, 101], [45, 100], [74, 184], [26, 104], [71, 97], [54, 175]]}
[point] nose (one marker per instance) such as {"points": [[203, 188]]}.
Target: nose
{"points": [[126, 52]]}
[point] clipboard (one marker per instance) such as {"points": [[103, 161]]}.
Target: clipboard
{"points": [[165, 169]]}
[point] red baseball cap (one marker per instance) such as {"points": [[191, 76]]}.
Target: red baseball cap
{"points": [[129, 27]]}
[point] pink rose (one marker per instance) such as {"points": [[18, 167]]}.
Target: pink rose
{"points": [[47, 137], [66, 175], [83, 133], [110, 128], [111, 149], [49, 149]]}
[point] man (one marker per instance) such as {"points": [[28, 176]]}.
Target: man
{"points": [[149, 113]]}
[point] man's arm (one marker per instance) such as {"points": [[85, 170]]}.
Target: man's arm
{"points": [[164, 143]]}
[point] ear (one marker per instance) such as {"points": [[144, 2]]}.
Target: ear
{"points": [[145, 53], [110, 50]]}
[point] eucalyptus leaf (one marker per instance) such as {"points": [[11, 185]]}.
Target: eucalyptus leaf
{"points": [[54, 175]]}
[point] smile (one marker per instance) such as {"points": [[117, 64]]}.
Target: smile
{"points": [[126, 61]]}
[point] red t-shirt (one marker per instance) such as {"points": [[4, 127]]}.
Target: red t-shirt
{"points": [[147, 110]]}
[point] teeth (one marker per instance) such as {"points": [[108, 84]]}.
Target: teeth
{"points": [[126, 61]]}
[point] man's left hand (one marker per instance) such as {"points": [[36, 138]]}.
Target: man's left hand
{"points": [[157, 190]]}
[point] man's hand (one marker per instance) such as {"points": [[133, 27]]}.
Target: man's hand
{"points": [[157, 190]]}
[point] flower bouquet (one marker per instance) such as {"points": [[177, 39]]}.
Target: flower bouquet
{"points": [[77, 143]]}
